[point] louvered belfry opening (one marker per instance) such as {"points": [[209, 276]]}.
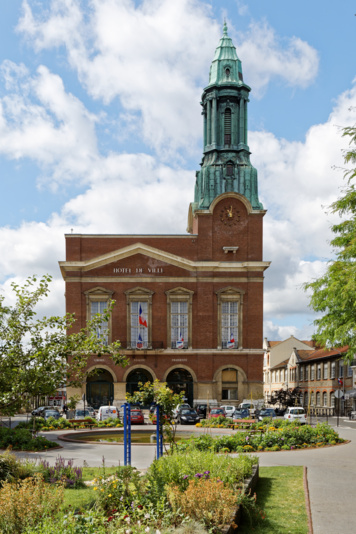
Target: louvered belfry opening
{"points": [[227, 127]]}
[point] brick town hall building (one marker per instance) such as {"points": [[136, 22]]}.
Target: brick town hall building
{"points": [[189, 308]]}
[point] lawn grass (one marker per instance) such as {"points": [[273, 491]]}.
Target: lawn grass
{"points": [[280, 494], [76, 499], [89, 473]]}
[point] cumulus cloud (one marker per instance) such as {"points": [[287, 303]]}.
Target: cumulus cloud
{"points": [[266, 56]]}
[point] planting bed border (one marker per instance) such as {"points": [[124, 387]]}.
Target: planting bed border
{"points": [[249, 486]]}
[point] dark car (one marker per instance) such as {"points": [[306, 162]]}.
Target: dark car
{"points": [[187, 416], [51, 413], [241, 413], [38, 412], [201, 410], [267, 412]]}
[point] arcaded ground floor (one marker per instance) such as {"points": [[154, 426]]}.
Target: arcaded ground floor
{"points": [[214, 377]]}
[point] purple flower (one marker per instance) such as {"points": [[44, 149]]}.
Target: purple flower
{"points": [[185, 477]]}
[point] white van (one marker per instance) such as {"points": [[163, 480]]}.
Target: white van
{"points": [[105, 412]]}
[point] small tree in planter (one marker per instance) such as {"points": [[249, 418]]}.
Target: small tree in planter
{"points": [[159, 393]]}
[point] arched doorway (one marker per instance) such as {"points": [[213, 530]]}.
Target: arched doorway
{"points": [[136, 376], [181, 380], [100, 388]]}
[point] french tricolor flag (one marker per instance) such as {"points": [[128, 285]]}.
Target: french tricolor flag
{"points": [[139, 343], [180, 342], [142, 321], [230, 344]]}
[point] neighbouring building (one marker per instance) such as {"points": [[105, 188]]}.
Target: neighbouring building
{"points": [[189, 308], [276, 355], [325, 383]]}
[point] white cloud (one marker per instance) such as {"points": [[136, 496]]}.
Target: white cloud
{"points": [[266, 56]]}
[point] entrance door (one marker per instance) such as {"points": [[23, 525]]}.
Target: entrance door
{"points": [[181, 380], [100, 389]]}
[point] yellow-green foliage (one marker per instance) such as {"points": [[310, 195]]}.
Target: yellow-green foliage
{"points": [[209, 501], [23, 504]]}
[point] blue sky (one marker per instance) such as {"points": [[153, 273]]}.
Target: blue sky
{"points": [[100, 114]]}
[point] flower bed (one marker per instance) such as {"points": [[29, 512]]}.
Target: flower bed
{"points": [[67, 424], [21, 439], [284, 435]]}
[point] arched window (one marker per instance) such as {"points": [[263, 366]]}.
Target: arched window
{"points": [[325, 399], [318, 398], [227, 126]]}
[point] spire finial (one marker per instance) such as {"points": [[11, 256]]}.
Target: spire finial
{"points": [[225, 28]]}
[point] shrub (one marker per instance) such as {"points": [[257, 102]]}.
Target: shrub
{"points": [[22, 440], [207, 500], [25, 503], [11, 468]]}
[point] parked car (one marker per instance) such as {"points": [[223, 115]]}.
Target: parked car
{"points": [[180, 407], [187, 416], [91, 411], [296, 414], [154, 416], [229, 410], [267, 412], [82, 414], [51, 413], [241, 413], [216, 412], [201, 410], [137, 417], [38, 412], [105, 412]]}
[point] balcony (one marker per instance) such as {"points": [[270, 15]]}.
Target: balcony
{"points": [[144, 345]]}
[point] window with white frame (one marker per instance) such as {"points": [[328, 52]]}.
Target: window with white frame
{"points": [[301, 373], [312, 398], [332, 400], [326, 371], [139, 318], [318, 398], [312, 372], [349, 370], [319, 371], [97, 302], [230, 302], [277, 378], [179, 318], [325, 399], [333, 370], [341, 369], [306, 372]]}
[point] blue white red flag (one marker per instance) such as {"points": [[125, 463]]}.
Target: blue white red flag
{"points": [[141, 318], [340, 382], [180, 342], [231, 343], [139, 343]]}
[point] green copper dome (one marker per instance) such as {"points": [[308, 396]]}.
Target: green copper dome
{"points": [[226, 66], [226, 162]]}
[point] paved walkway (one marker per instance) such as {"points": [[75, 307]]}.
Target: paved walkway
{"points": [[331, 473]]}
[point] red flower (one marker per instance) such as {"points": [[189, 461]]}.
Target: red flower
{"points": [[140, 507], [110, 518]]}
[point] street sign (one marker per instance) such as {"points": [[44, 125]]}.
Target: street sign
{"points": [[338, 394]]}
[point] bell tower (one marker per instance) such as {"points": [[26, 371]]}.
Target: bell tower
{"points": [[226, 165]]}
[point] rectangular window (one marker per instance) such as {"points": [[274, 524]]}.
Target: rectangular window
{"points": [[312, 372], [341, 369], [229, 394], [179, 324], [326, 369], [333, 372], [301, 373], [306, 372], [229, 324], [319, 372], [98, 306], [332, 400], [139, 324], [349, 370]]}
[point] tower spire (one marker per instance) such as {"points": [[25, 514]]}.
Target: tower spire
{"points": [[226, 162]]}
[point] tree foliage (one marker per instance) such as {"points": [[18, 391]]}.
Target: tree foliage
{"points": [[40, 355], [334, 293], [285, 397]]}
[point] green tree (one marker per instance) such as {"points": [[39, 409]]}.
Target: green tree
{"points": [[39, 355], [159, 393], [334, 293]]}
